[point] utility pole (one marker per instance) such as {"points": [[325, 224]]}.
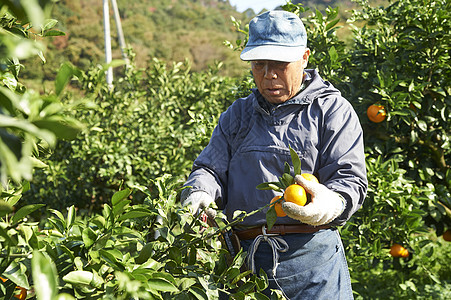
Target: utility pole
{"points": [[117, 20], [107, 37]]}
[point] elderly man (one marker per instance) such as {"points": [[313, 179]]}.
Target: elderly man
{"points": [[292, 106]]}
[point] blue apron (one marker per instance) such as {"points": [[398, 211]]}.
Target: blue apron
{"points": [[313, 268]]}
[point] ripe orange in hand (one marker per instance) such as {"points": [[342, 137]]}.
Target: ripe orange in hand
{"points": [[296, 194], [278, 207], [376, 113], [310, 177], [396, 250]]}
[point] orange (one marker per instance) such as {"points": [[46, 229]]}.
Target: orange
{"points": [[447, 235], [23, 291], [396, 250], [376, 113], [310, 177], [22, 295], [296, 194], [278, 207]]}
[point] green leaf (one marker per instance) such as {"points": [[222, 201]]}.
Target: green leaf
{"points": [[10, 240], [145, 253], [287, 168], [111, 259], [25, 211], [70, 217], [198, 293], [5, 208], [333, 54], [186, 282], [286, 180], [49, 24], [176, 255], [89, 237], [119, 196], [79, 277], [165, 276], [422, 125], [120, 207], [60, 127], [269, 186], [65, 73], [8, 99], [296, 161], [332, 24], [162, 285], [238, 213], [271, 217], [10, 122], [45, 276], [241, 276], [136, 213], [16, 273], [54, 32]]}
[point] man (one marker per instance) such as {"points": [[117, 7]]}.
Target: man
{"points": [[292, 106]]}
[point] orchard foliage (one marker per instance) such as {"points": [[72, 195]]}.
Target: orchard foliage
{"points": [[135, 241], [154, 122], [29, 122]]}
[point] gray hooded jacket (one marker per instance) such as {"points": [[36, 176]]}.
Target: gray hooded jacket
{"points": [[251, 143]]}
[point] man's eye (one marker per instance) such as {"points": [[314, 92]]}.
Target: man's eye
{"points": [[281, 64]]}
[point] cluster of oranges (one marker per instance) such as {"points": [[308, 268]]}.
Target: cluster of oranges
{"points": [[293, 193]]}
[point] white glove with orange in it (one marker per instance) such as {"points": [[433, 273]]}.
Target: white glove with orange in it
{"points": [[324, 207]]}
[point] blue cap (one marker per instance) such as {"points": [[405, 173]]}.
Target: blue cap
{"points": [[275, 35]]}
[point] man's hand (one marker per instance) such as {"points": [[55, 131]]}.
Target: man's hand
{"points": [[324, 207], [197, 201]]}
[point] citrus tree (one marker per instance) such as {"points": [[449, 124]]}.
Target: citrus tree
{"points": [[398, 80]]}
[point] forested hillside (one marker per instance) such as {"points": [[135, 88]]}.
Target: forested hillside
{"points": [[169, 30]]}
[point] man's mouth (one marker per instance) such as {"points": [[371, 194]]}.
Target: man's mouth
{"points": [[273, 91]]}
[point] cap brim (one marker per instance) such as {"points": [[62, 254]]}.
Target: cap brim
{"points": [[271, 52]]}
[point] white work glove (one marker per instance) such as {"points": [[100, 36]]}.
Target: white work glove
{"points": [[197, 201], [324, 207]]}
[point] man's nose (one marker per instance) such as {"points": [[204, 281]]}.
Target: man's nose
{"points": [[270, 73]]}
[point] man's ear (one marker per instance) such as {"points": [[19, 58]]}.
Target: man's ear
{"points": [[305, 57]]}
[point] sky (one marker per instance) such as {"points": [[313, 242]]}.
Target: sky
{"points": [[256, 5]]}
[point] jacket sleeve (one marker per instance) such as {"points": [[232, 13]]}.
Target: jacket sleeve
{"points": [[210, 169], [341, 155]]}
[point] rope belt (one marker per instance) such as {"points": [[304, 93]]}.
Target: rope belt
{"points": [[275, 241], [277, 244], [281, 229]]}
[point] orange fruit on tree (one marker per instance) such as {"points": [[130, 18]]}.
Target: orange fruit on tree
{"points": [[396, 250], [23, 293], [278, 207], [376, 113], [296, 194], [447, 235]]}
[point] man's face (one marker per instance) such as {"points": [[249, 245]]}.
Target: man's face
{"points": [[279, 81]]}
